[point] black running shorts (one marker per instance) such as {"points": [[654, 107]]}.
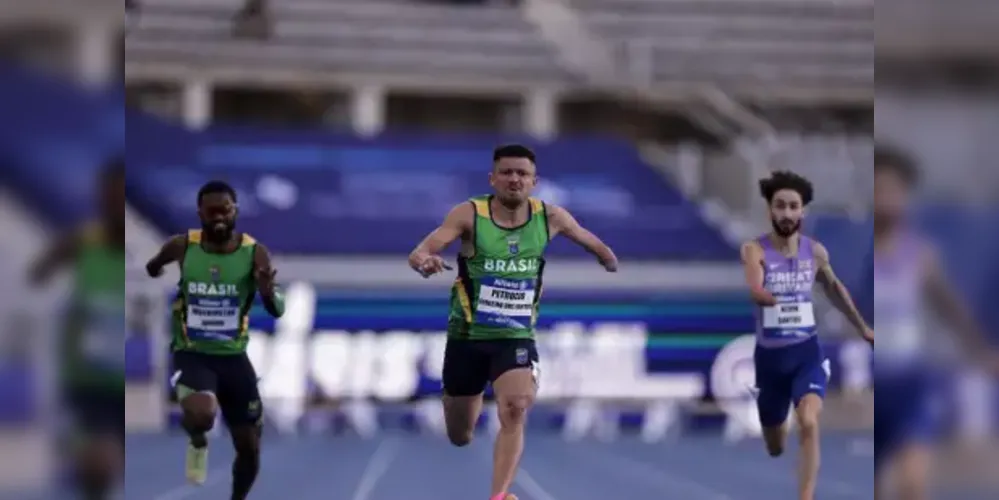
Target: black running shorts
{"points": [[231, 378], [469, 365]]}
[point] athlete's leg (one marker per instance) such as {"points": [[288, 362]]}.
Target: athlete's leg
{"points": [[196, 383], [907, 423], [99, 455], [773, 403], [461, 414], [464, 378], [515, 382], [807, 412], [912, 466], [808, 391], [242, 410]]}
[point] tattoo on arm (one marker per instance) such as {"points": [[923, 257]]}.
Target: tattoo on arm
{"points": [[272, 298], [835, 291]]}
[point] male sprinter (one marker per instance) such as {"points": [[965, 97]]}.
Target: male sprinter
{"points": [[908, 280], [781, 268], [494, 302], [221, 272], [93, 349]]}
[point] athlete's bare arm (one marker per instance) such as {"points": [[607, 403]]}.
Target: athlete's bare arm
{"points": [[425, 258], [752, 265], [948, 305], [837, 293], [172, 251], [263, 275], [55, 258], [560, 221]]}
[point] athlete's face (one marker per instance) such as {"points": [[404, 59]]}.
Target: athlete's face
{"points": [[891, 196], [218, 215], [513, 179], [787, 209]]}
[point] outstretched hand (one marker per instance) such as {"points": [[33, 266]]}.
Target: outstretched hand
{"points": [[433, 264]]}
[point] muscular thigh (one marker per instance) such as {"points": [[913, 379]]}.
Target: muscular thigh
{"points": [[238, 394], [193, 373], [515, 368]]}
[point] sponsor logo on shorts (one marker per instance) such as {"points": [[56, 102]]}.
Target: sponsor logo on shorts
{"points": [[523, 357]]}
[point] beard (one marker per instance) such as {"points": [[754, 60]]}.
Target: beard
{"points": [[218, 232], [785, 230]]}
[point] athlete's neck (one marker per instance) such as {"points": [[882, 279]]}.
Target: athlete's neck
{"points": [[225, 245], [786, 244], [885, 236], [512, 216]]}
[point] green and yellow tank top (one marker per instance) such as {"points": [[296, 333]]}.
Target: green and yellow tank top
{"points": [[211, 313], [497, 290], [94, 347]]}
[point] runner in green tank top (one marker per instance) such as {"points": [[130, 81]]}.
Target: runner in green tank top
{"points": [[92, 349], [495, 301], [221, 271]]}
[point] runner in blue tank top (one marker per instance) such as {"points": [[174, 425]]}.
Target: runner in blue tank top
{"points": [[781, 268], [908, 280]]}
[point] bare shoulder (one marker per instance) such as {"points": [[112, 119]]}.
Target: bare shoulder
{"points": [[461, 215], [176, 242], [556, 214], [751, 251], [820, 252]]}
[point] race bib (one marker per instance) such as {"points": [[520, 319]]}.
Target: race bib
{"points": [[507, 303], [213, 317], [789, 316]]}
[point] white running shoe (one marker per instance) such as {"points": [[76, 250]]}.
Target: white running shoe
{"points": [[196, 465]]}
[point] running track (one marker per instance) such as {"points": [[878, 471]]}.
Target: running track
{"points": [[407, 466]]}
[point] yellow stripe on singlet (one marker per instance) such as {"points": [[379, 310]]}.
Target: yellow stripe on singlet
{"points": [[537, 206], [464, 299], [481, 207]]}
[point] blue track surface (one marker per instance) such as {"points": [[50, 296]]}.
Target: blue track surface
{"points": [[411, 467]]}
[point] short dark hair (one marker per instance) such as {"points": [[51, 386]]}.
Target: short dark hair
{"points": [[782, 180], [216, 187], [513, 151], [892, 159]]}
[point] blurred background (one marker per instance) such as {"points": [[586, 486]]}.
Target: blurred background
{"points": [[350, 127]]}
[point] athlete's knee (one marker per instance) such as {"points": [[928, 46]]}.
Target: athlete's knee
{"points": [[775, 439], [199, 411], [808, 415], [461, 413], [460, 437], [246, 441], [99, 466], [808, 425], [513, 410]]}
